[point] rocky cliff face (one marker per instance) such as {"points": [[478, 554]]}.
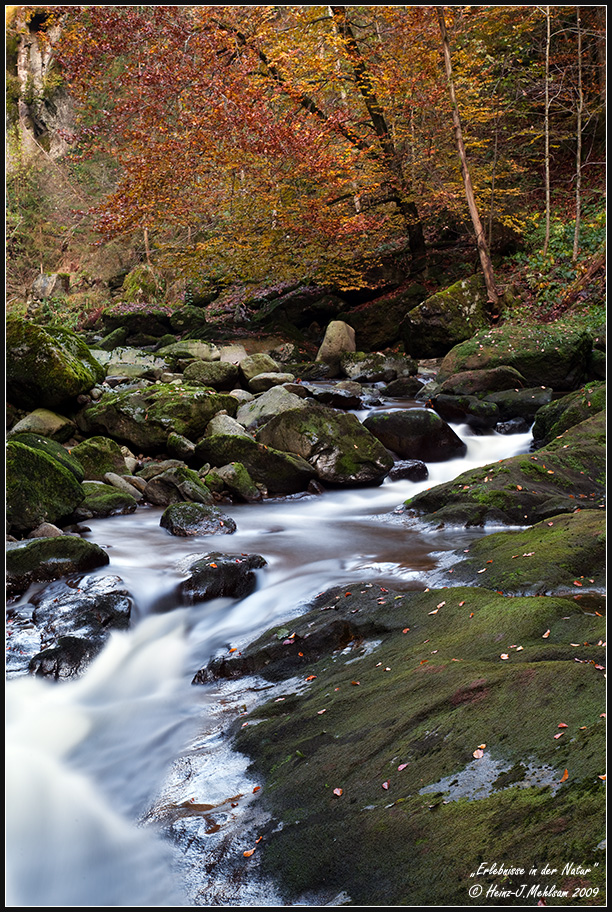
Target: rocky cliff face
{"points": [[44, 109]]}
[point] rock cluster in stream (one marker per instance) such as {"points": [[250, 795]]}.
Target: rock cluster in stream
{"points": [[387, 692]]}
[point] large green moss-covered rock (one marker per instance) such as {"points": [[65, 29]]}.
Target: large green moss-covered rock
{"points": [[54, 449], [563, 555], [104, 500], [50, 558], [556, 417], [338, 447], [446, 318], [99, 455], [279, 472], [38, 488], [420, 725], [555, 356], [144, 418], [568, 474], [46, 368]]}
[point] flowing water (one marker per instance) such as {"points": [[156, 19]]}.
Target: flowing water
{"points": [[101, 769]]}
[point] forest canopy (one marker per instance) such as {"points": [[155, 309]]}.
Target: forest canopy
{"points": [[258, 141]]}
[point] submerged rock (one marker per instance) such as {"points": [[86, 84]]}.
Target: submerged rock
{"points": [[218, 575]]}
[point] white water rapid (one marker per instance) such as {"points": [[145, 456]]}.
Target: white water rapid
{"points": [[95, 765]]}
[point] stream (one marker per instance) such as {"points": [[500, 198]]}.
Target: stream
{"points": [[121, 787]]}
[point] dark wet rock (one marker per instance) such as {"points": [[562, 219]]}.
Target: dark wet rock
{"points": [[38, 488], [403, 388], [393, 692], [144, 418], [521, 403], [46, 368], [568, 474], [87, 606], [335, 396], [416, 434], [103, 499], [196, 519], [279, 472], [553, 356], [310, 370], [218, 575], [177, 485], [39, 559], [68, 658], [513, 426], [555, 418], [475, 382], [337, 446], [411, 469], [446, 318], [563, 555], [99, 455], [470, 410]]}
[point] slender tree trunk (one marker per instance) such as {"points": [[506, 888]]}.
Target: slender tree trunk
{"points": [[547, 132], [147, 248], [578, 140], [483, 250]]}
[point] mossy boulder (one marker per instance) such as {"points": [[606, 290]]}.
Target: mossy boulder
{"points": [[563, 555], [177, 485], [377, 323], [446, 318], [99, 455], [257, 363], [46, 423], [416, 434], [144, 418], [520, 403], [470, 410], [337, 446], [189, 350], [238, 482], [189, 320], [38, 488], [373, 367], [272, 402], [482, 382], [103, 500], [556, 417], [554, 356], [279, 472], [218, 374], [46, 368], [196, 519], [403, 733], [568, 474], [38, 559], [53, 449]]}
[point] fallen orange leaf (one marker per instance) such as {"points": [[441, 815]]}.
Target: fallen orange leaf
{"points": [[602, 777], [478, 753], [338, 791], [356, 683], [257, 788], [248, 853], [310, 678], [560, 735], [564, 776], [401, 767], [545, 635], [562, 725], [385, 784]]}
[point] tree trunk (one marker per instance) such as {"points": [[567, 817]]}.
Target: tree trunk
{"points": [[483, 250], [578, 141], [547, 132]]}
